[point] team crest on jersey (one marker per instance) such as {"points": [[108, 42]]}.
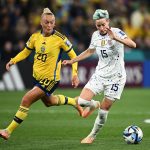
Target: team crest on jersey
{"points": [[42, 49], [103, 42]]}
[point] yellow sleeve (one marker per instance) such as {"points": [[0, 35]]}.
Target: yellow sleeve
{"points": [[30, 42], [21, 56], [67, 47], [26, 51], [72, 55]]}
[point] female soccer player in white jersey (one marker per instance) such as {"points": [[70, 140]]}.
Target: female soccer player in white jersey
{"points": [[110, 76]]}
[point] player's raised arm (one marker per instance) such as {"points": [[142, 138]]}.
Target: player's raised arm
{"points": [[21, 56], [126, 41], [87, 53]]}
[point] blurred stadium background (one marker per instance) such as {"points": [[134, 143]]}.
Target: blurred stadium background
{"points": [[19, 19]]}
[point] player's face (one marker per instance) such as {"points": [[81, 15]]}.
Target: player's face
{"points": [[48, 23], [102, 25]]}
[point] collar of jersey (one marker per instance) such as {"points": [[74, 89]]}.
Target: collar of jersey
{"points": [[51, 33]]}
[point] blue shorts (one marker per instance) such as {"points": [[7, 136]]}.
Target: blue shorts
{"points": [[48, 86]]}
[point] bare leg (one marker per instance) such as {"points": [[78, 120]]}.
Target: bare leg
{"points": [[29, 98], [86, 100], [50, 101], [57, 100], [32, 96], [100, 120]]}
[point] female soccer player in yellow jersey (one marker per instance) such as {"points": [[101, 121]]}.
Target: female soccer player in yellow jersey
{"points": [[48, 45]]}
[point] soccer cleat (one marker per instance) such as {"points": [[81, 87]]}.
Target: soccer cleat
{"points": [[88, 140], [89, 110], [78, 107], [4, 134]]}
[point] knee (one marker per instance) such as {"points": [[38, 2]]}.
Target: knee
{"points": [[47, 103], [25, 101], [52, 101]]}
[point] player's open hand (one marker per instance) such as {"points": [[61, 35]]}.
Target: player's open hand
{"points": [[8, 65], [75, 81], [67, 62], [111, 34]]}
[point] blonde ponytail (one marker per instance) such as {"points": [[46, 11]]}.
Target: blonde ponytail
{"points": [[47, 11]]}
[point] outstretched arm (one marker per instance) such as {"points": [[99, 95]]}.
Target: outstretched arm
{"points": [[75, 79], [21, 56], [87, 53]]}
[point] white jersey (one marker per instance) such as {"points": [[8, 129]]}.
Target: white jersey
{"points": [[110, 53]]}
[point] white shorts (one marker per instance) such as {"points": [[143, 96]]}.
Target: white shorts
{"points": [[112, 87]]}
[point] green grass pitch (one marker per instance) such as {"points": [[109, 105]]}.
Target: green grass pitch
{"points": [[60, 127]]}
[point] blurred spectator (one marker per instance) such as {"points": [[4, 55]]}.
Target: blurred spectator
{"points": [[8, 51], [78, 29], [20, 18], [64, 26], [131, 31], [77, 9], [139, 13], [21, 28], [6, 32]]}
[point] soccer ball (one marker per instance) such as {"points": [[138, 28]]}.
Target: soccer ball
{"points": [[133, 134]]}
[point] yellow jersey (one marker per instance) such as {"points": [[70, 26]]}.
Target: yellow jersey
{"points": [[47, 58]]}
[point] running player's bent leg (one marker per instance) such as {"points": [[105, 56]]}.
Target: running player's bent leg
{"points": [[86, 100], [29, 98], [89, 110], [56, 100], [64, 100], [100, 120], [85, 97]]}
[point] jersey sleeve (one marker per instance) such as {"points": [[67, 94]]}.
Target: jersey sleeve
{"points": [[66, 45], [92, 44], [30, 42], [21, 56], [121, 34], [72, 55]]}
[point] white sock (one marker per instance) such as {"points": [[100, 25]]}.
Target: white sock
{"points": [[99, 122], [94, 103]]}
